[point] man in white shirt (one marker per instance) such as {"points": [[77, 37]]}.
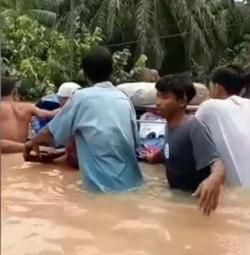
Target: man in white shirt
{"points": [[228, 118]]}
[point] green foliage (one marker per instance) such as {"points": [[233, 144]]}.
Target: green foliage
{"points": [[200, 25], [121, 60], [43, 41], [42, 11], [239, 54], [41, 56], [44, 58]]}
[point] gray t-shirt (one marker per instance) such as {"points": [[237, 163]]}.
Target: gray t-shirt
{"points": [[189, 152]]}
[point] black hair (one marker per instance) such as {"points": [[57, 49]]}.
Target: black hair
{"points": [[246, 91], [7, 86], [97, 64], [180, 85], [231, 78], [246, 79]]}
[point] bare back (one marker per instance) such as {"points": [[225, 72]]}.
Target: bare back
{"points": [[15, 119]]}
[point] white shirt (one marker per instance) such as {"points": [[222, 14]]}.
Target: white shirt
{"points": [[229, 123]]}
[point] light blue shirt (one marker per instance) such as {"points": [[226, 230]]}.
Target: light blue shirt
{"points": [[103, 122]]}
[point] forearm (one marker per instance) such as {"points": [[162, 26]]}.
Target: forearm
{"points": [[218, 171], [43, 137], [8, 146], [41, 113]]}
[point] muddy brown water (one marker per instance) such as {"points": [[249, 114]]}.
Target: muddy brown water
{"points": [[44, 212]]}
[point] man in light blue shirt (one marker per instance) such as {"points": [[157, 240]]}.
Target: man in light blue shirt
{"points": [[103, 123]]}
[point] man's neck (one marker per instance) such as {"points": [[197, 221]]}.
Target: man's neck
{"points": [[177, 119], [224, 95]]}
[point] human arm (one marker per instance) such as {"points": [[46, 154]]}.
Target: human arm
{"points": [[59, 130], [209, 190], [35, 111], [9, 146], [43, 137], [206, 155]]}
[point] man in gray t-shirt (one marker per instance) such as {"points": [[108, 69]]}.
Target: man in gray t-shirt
{"points": [[192, 161], [189, 153]]}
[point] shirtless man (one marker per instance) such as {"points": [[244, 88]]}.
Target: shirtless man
{"points": [[15, 118]]}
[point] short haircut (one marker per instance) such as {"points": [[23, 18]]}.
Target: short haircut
{"points": [[230, 77], [7, 86], [180, 85], [97, 64], [247, 80]]}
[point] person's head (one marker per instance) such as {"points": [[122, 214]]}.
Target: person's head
{"points": [[8, 87], [97, 64], [227, 81], [66, 90], [174, 92]]}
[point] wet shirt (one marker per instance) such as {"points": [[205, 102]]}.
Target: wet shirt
{"points": [[103, 123], [229, 122], [189, 152]]}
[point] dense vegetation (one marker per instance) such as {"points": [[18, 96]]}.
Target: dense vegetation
{"points": [[43, 41]]}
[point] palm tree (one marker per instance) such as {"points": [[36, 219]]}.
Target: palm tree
{"points": [[200, 25], [43, 11]]}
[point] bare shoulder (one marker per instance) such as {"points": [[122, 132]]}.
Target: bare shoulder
{"points": [[13, 109], [24, 109], [28, 107]]}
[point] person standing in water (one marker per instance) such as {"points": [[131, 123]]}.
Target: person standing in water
{"points": [[191, 158], [103, 123], [228, 117], [16, 117]]}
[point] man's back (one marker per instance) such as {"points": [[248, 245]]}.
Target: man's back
{"points": [[229, 122], [15, 119], [106, 137]]}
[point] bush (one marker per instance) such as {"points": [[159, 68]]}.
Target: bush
{"points": [[40, 57], [120, 60]]}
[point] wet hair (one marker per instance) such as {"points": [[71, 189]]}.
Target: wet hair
{"points": [[232, 78], [180, 85], [97, 64], [7, 86]]}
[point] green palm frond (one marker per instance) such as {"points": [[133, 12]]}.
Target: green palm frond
{"points": [[156, 44], [44, 17], [143, 23], [113, 12], [100, 18], [195, 38]]}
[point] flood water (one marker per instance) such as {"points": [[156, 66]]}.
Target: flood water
{"points": [[44, 212]]}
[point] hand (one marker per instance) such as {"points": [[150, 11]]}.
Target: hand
{"points": [[56, 111], [28, 148], [48, 154], [147, 155], [208, 194]]}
